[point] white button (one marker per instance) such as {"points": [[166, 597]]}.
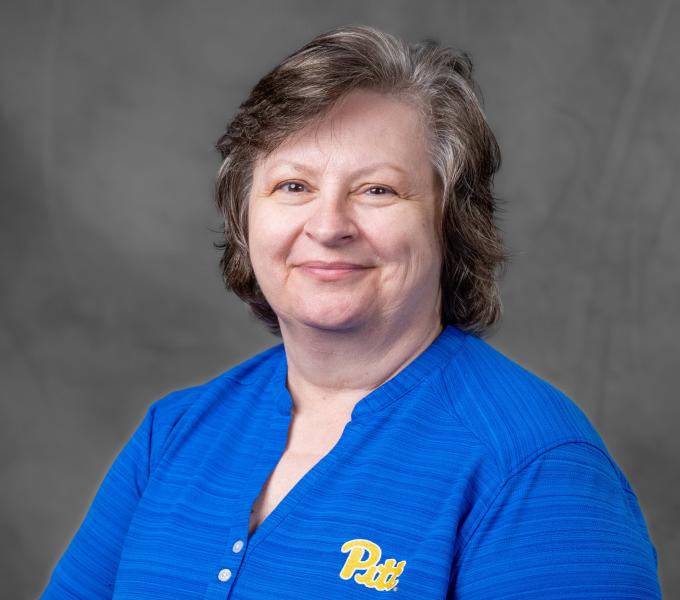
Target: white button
{"points": [[238, 545], [224, 575]]}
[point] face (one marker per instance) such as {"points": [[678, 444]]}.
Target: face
{"points": [[342, 220]]}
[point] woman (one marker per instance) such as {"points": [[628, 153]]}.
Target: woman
{"points": [[383, 446]]}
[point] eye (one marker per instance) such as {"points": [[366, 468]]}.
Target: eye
{"points": [[291, 186], [382, 190]]}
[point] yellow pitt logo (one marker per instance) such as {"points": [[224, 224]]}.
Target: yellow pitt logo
{"points": [[364, 556]]}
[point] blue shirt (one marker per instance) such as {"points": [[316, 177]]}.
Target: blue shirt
{"points": [[464, 476]]}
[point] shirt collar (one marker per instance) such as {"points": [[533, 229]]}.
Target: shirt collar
{"points": [[438, 353]]}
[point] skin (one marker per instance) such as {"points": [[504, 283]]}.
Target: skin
{"points": [[346, 332]]}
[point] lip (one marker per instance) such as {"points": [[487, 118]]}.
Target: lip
{"points": [[331, 271], [318, 264]]}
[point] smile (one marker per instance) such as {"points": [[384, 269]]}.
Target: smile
{"points": [[331, 271]]}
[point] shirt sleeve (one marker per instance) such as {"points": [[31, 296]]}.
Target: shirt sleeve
{"points": [[87, 569], [566, 525]]}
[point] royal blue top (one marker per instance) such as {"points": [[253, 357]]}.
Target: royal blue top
{"points": [[464, 476]]}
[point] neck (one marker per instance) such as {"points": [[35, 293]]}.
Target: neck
{"points": [[329, 371]]}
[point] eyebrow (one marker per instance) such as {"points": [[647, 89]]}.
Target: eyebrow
{"points": [[367, 169]]}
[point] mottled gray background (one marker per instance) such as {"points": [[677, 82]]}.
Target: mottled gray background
{"points": [[110, 294]]}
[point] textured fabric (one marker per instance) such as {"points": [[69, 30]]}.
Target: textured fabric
{"points": [[464, 476]]}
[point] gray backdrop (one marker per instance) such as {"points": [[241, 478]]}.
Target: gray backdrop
{"points": [[111, 295]]}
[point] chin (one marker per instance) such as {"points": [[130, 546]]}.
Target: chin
{"points": [[329, 311], [329, 319], [333, 324]]}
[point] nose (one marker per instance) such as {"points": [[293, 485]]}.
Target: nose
{"points": [[331, 221]]}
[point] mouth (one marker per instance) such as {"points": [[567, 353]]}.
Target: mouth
{"points": [[318, 264], [331, 271]]}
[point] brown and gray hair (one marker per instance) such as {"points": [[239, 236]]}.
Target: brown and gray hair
{"points": [[463, 151]]}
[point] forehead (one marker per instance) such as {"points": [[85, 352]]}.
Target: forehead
{"points": [[364, 126]]}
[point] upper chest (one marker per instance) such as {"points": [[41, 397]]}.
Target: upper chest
{"points": [[307, 444]]}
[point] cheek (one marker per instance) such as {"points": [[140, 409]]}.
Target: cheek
{"points": [[259, 241], [269, 238], [408, 242]]}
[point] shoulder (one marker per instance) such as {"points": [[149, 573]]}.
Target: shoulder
{"points": [[180, 409], [253, 371], [516, 414]]}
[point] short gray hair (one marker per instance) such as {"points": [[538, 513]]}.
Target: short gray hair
{"points": [[463, 151]]}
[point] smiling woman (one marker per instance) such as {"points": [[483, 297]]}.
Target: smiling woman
{"points": [[379, 250], [383, 444]]}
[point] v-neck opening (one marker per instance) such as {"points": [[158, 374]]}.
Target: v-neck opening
{"points": [[298, 491]]}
